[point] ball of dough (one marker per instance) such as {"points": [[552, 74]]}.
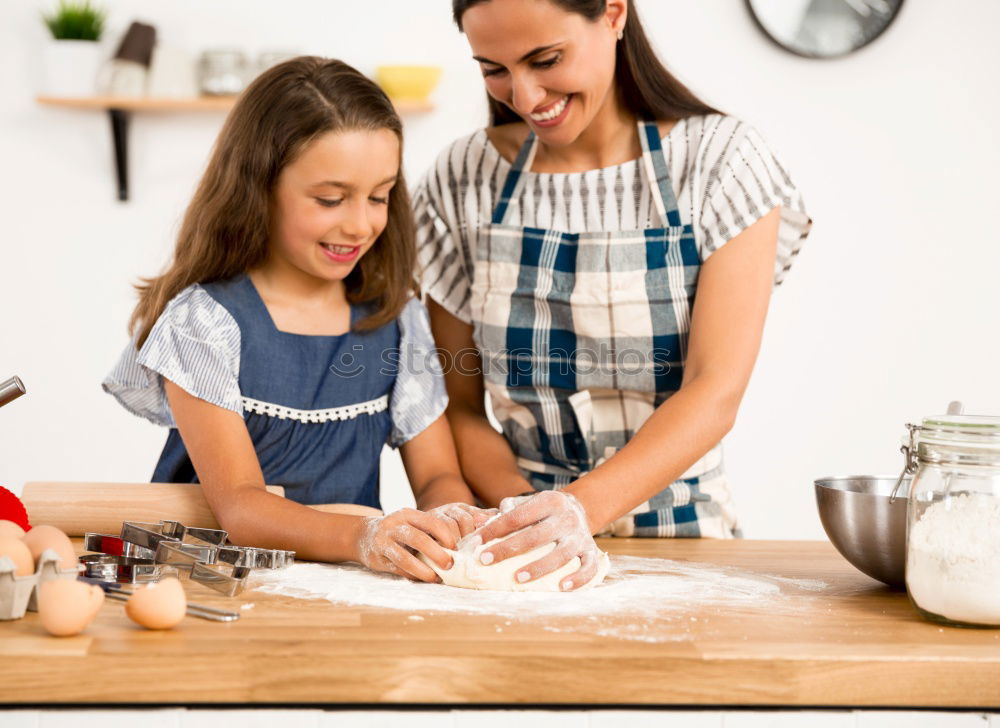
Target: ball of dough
{"points": [[468, 572]]}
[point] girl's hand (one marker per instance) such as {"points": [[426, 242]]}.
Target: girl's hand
{"points": [[389, 543], [462, 518], [550, 515]]}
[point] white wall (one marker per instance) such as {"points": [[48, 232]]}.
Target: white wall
{"points": [[890, 312]]}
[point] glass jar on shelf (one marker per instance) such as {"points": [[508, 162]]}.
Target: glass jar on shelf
{"points": [[222, 72], [953, 519]]}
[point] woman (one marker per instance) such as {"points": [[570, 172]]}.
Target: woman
{"points": [[562, 250]]}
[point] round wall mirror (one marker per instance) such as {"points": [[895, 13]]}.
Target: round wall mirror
{"points": [[823, 28]]}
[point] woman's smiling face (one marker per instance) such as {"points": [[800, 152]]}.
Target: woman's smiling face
{"points": [[552, 67]]}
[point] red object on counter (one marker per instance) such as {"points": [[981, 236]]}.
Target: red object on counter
{"points": [[111, 545], [12, 509]]}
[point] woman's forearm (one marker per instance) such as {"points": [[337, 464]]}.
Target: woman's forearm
{"points": [[676, 435], [444, 489], [485, 457], [487, 461], [256, 517]]}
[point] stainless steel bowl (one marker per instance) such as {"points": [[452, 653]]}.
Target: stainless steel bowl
{"points": [[866, 529]]}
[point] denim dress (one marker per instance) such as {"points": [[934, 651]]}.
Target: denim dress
{"points": [[319, 409]]}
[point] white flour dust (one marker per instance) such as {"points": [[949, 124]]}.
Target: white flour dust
{"points": [[640, 591]]}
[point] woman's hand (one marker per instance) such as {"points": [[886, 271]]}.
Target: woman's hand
{"points": [[389, 544], [462, 518], [550, 515]]}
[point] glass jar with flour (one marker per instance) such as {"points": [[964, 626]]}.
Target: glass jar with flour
{"points": [[953, 519]]}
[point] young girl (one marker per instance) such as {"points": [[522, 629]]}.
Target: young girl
{"points": [[283, 344]]}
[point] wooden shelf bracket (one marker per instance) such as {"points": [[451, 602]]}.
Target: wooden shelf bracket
{"points": [[119, 134]]}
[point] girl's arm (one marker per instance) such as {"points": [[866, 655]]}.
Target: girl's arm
{"points": [[734, 289], [487, 461], [223, 455]]}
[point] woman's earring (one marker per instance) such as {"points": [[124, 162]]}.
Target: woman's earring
{"points": [[621, 34]]}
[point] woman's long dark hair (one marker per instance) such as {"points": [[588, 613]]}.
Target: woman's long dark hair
{"points": [[225, 228], [646, 87]]}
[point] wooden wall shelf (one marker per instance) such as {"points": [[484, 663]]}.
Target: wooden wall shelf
{"points": [[203, 103], [200, 103], [120, 108]]}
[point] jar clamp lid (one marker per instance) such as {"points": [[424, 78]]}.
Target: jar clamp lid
{"points": [[951, 439]]}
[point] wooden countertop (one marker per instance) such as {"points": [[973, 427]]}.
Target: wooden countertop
{"points": [[857, 644]]}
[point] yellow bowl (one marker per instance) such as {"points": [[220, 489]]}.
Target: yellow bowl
{"points": [[408, 83]]}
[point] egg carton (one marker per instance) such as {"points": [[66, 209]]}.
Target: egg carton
{"points": [[19, 594]]}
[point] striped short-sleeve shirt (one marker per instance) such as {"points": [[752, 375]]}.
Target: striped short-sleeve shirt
{"points": [[725, 178]]}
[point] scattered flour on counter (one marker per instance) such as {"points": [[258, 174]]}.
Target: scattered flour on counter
{"points": [[641, 598], [953, 559]]}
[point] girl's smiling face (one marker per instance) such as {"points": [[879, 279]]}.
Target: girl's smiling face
{"points": [[553, 67], [330, 204]]}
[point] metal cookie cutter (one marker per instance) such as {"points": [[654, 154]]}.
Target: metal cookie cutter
{"points": [[107, 544], [229, 574], [211, 536], [167, 541], [202, 551], [184, 555], [255, 557], [111, 568], [150, 535], [233, 565]]}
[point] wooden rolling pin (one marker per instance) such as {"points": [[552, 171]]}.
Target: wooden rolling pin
{"points": [[78, 508]]}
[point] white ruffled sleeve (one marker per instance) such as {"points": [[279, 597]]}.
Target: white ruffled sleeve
{"points": [[196, 345], [418, 396], [743, 182]]}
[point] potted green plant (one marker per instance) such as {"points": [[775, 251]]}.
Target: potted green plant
{"points": [[72, 58]]}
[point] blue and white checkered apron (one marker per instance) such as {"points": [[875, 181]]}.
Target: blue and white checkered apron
{"points": [[583, 335]]}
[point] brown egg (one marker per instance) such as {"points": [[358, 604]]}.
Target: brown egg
{"points": [[66, 607], [160, 605], [40, 538], [9, 529], [19, 554]]}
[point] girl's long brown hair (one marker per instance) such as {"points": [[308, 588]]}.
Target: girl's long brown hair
{"points": [[646, 87], [225, 229]]}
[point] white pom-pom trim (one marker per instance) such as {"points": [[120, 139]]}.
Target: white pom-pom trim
{"points": [[347, 412]]}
